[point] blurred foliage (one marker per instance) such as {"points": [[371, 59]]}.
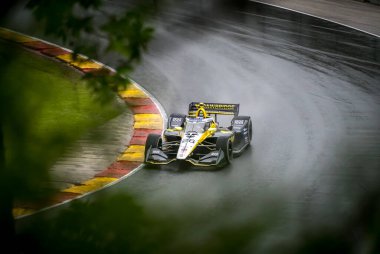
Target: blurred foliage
{"points": [[61, 21], [90, 30], [44, 109], [117, 224], [48, 107], [25, 156]]}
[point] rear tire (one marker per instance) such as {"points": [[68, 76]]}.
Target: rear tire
{"points": [[225, 144], [180, 120]]}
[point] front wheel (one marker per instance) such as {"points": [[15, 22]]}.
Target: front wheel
{"points": [[243, 134], [225, 144], [152, 141]]}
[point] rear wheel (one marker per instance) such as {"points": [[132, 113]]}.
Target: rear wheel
{"points": [[225, 144], [176, 120]]}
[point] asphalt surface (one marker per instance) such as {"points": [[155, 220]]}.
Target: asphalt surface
{"points": [[362, 15], [312, 88]]}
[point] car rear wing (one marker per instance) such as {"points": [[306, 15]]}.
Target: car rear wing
{"points": [[214, 108]]}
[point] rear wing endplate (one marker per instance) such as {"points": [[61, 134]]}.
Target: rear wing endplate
{"points": [[215, 108]]}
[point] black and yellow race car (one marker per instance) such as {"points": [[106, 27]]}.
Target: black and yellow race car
{"points": [[197, 137]]}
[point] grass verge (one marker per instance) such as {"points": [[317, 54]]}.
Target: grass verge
{"points": [[44, 107]]}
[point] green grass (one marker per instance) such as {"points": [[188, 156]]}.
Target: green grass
{"points": [[55, 95], [44, 107]]}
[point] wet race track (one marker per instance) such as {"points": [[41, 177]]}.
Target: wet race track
{"points": [[313, 92], [312, 89]]}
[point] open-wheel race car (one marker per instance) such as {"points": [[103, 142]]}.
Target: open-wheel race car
{"points": [[197, 137]]}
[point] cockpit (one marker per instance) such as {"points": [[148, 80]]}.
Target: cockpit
{"points": [[198, 125]]}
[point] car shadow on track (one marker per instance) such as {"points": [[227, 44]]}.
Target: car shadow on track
{"points": [[184, 167]]}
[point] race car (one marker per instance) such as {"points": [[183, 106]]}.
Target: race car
{"points": [[197, 137]]}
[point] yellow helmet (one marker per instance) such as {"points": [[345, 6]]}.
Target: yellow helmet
{"points": [[201, 112]]}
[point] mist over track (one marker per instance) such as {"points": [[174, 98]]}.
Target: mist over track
{"points": [[312, 88]]}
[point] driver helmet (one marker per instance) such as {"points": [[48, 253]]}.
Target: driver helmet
{"points": [[201, 112]]}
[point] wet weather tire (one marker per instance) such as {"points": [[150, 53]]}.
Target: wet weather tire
{"points": [[152, 141], [176, 120], [250, 129], [243, 137], [225, 144]]}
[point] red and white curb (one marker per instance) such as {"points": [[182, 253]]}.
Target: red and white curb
{"points": [[149, 117]]}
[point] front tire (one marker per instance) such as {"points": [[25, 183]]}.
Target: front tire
{"points": [[243, 137], [152, 141], [225, 144]]}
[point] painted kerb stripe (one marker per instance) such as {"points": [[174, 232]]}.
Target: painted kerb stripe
{"points": [[149, 117]]}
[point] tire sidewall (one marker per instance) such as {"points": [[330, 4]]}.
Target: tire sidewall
{"points": [[152, 141], [224, 143]]}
